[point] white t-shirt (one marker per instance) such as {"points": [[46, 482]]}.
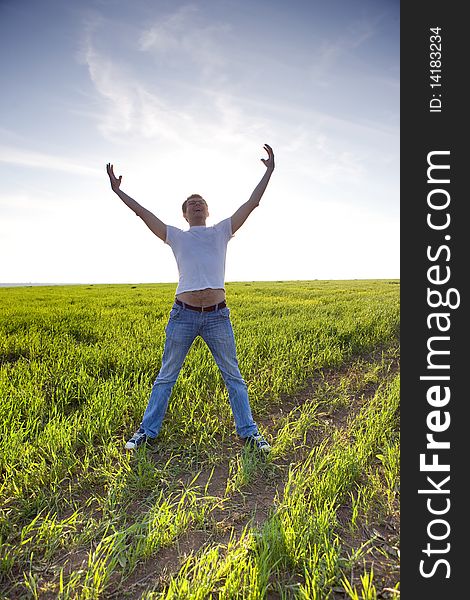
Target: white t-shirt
{"points": [[200, 255]]}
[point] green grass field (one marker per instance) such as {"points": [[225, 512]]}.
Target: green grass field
{"points": [[197, 515]]}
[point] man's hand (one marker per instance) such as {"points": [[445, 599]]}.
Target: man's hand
{"points": [[269, 162], [115, 181]]}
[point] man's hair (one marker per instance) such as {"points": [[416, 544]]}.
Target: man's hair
{"points": [[185, 203]]}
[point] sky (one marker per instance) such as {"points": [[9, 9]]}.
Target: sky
{"points": [[181, 97]]}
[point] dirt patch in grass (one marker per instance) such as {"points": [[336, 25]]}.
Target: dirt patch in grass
{"points": [[377, 547]]}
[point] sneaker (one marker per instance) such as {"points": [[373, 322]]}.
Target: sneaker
{"points": [[258, 442], [138, 439]]}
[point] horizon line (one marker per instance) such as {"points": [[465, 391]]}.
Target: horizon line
{"points": [[40, 283]]}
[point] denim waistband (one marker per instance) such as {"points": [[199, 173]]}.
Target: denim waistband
{"points": [[202, 308]]}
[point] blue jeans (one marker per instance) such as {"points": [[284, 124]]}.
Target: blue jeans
{"points": [[216, 330]]}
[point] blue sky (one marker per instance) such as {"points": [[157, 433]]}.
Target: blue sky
{"points": [[181, 97]]}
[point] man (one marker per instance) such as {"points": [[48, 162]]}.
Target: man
{"points": [[199, 308]]}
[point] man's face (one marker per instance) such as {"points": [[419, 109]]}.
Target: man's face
{"points": [[196, 210]]}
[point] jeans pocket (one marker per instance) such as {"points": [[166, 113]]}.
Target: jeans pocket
{"points": [[224, 312], [175, 313]]}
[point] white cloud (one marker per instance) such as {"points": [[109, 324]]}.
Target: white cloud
{"points": [[330, 51], [135, 108], [131, 108], [26, 158], [183, 36]]}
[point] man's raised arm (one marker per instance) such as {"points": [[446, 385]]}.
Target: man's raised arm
{"points": [[152, 222], [241, 215]]}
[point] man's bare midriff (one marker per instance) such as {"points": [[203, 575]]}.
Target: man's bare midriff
{"points": [[206, 297]]}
